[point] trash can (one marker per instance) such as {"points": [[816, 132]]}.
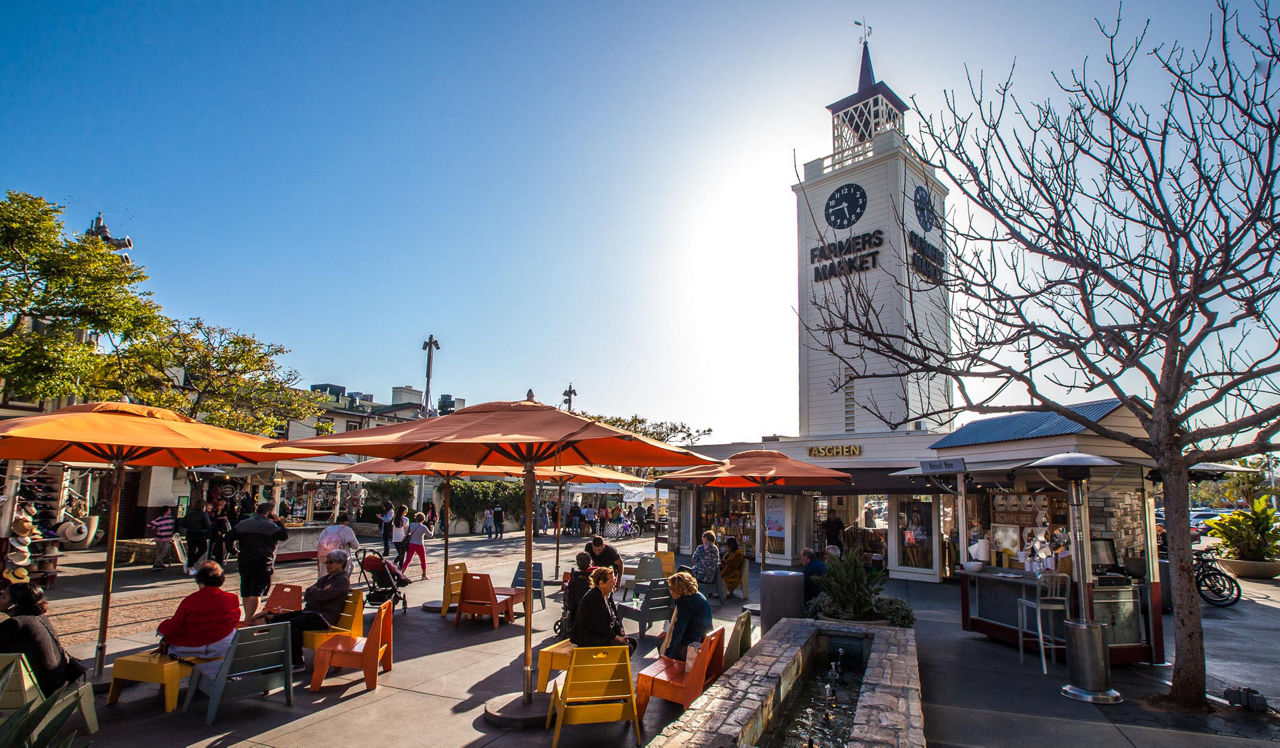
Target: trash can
{"points": [[1088, 664], [781, 596]]}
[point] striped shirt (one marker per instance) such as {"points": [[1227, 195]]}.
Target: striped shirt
{"points": [[163, 527]]}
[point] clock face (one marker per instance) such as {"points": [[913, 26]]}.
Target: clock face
{"points": [[924, 210], [845, 206]]}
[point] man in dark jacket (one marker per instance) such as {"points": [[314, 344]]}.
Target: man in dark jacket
{"points": [[257, 537]]}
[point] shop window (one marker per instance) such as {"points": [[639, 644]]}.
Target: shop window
{"points": [[915, 522]]}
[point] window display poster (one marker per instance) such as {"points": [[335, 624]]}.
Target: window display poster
{"points": [[775, 518], [919, 527]]}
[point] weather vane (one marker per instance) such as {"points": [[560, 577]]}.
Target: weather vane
{"points": [[866, 30]]}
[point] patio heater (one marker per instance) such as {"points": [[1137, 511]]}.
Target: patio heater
{"points": [[1088, 660]]}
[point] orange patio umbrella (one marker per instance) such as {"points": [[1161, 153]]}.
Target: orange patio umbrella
{"points": [[120, 434], [760, 468], [522, 433]]}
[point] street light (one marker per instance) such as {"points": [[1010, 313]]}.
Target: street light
{"points": [[568, 397], [430, 345], [1088, 659]]}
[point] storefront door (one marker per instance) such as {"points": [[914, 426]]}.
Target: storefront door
{"points": [[915, 548]]}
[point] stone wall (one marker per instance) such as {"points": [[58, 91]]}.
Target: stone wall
{"points": [[737, 708]]}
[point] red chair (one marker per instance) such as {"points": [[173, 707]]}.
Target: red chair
{"points": [[479, 598], [363, 652]]}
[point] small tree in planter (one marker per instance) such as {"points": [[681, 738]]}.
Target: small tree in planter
{"points": [[1250, 540], [851, 592]]}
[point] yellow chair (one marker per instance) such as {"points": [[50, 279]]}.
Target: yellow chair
{"points": [[149, 667], [23, 689], [668, 562], [553, 657], [350, 623], [596, 688], [453, 575]]}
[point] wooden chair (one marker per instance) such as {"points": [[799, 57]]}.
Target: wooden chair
{"points": [[553, 657], [257, 661], [453, 574], [479, 598], [596, 688], [649, 567], [668, 679], [668, 562], [350, 623], [656, 606], [22, 689], [739, 639], [366, 653], [517, 582]]}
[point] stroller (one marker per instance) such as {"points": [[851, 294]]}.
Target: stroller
{"points": [[382, 580], [579, 583]]}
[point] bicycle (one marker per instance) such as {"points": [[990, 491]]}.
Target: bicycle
{"points": [[1215, 586]]}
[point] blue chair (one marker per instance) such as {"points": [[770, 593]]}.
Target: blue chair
{"points": [[517, 581], [258, 660]]}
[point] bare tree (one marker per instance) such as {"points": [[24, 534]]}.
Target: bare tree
{"points": [[1106, 245]]}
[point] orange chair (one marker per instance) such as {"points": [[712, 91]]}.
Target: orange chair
{"points": [[670, 680], [283, 597], [479, 598], [363, 652]]}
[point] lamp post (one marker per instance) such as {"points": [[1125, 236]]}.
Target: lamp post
{"points": [[430, 345], [1088, 659]]}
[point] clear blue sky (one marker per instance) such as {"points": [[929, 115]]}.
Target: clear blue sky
{"points": [[596, 193]]}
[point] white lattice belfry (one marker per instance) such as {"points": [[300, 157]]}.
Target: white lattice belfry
{"points": [[853, 129]]}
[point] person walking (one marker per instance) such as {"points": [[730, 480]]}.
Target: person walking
{"points": [[384, 519], [575, 517], [337, 536], [497, 520], [639, 515], [399, 524], [544, 518], [415, 542], [258, 536], [432, 516], [162, 527], [220, 525], [198, 526], [488, 523]]}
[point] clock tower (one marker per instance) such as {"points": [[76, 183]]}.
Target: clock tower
{"points": [[869, 225]]}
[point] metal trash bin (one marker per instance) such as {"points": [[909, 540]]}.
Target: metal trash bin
{"points": [[1088, 664], [781, 596]]}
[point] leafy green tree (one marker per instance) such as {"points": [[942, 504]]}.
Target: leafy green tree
{"points": [[221, 376], [57, 295], [664, 431]]}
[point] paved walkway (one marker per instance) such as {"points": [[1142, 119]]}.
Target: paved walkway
{"points": [[975, 692]]}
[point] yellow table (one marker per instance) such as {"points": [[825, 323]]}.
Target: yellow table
{"points": [[552, 657], [151, 667]]}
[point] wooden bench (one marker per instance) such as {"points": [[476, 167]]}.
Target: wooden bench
{"points": [[350, 623], [669, 679], [553, 657], [656, 605], [479, 598]]}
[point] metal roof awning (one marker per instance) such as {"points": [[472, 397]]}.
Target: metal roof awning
{"points": [[1002, 466]]}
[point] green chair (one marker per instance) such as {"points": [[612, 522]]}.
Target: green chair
{"points": [[258, 660], [649, 567], [656, 606], [517, 582]]}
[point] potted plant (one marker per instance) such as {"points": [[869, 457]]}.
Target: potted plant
{"points": [[851, 592], [1250, 540]]}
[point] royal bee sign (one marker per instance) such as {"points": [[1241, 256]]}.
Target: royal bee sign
{"points": [[835, 450]]}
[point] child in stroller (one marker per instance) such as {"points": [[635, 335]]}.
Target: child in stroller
{"points": [[579, 584], [382, 580]]}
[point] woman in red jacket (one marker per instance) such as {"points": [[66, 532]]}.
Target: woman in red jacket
{"points": [[205, 620]]}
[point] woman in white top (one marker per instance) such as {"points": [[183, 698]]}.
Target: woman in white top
{"points": [[337, 536], [399, 523], [416, 542]]}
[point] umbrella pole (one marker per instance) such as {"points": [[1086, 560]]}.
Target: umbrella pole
{"points": [[764, 534], [444, 518], [113, 514], [656, 496], [529, 481], [559, 511]]}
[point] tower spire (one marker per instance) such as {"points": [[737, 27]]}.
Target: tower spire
{"points": [[867, 76]]}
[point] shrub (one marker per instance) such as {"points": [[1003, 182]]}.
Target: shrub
{"points": [[851, 589], [17, 729], [1250, 535], [895, 610]]}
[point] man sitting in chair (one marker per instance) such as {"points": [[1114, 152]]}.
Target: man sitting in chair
{"points": [[322, 604]]}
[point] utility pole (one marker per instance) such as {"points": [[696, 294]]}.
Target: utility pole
{"points": [[568, 397], [430, 345]]}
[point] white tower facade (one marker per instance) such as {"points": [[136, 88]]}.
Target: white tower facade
{"points": [[869, 225]]}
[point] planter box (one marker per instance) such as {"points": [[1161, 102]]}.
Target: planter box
{"points": [[1251, 569]]}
